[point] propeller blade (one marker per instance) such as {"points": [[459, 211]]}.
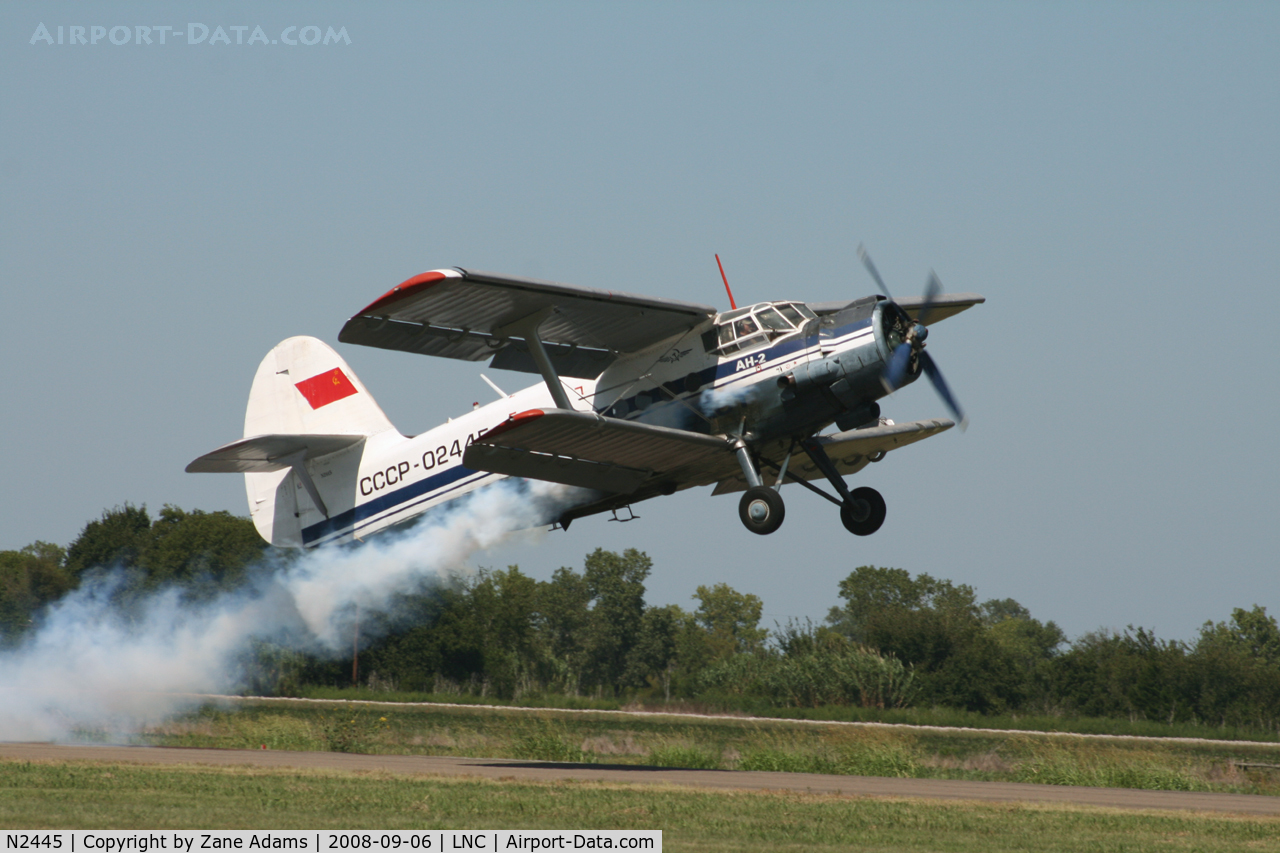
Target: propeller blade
{"points": [[940, 385], [897, 367], [871, 268], [931, 290]]}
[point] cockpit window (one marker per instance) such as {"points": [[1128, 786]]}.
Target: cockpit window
{"points": [[758, 324], [773, 321], [789, 311]]}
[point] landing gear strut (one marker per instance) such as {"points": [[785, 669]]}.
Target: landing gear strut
{"points": [[762, 511], [862, 511], [761, 508]]}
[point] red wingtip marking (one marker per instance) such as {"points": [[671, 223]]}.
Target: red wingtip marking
{"points": [[405, 288], [514, 420], [325, 388], [732, 305]]}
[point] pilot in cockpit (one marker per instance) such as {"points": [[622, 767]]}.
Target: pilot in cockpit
{"points": [[746, 326]]}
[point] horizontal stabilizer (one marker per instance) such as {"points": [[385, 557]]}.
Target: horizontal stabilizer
{"points": [[597, 452], [265, 453]]}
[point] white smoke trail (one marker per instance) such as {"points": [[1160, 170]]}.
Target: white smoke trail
{"points": [[89, 666], [713, 401]]}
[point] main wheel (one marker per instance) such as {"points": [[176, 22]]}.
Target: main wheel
{"points": [[864, 512], [761, 510]]}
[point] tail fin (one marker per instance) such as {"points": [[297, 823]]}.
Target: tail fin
{"points": [[302, 387], [305, 429]]}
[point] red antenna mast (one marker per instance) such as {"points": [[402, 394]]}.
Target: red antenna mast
{"points": [[732, 304]]}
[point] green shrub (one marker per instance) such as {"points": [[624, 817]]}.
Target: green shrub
{"points": [[1055, 766], [814, 670], [870, 759], [688, 757], [546, 743], [351, 732]]}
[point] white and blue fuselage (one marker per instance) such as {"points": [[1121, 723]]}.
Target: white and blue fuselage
{"points": [[709, 380]]}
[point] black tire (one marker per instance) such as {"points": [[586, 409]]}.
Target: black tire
{"points": [[864, 512], [761, 510]]}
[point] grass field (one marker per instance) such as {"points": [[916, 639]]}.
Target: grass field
{"points": [[1238, 767], [79, 795], [950, 717]]}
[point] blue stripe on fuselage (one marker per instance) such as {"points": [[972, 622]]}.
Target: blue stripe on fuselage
{"points": [[425, 489], [711, 376]]}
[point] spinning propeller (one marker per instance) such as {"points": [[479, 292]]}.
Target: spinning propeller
{"points": [[913, 341]]}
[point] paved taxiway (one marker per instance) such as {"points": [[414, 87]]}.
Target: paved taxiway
{"points": [[494, 768]]}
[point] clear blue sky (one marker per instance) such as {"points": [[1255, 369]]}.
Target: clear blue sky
{"points": [[1107, 175]]}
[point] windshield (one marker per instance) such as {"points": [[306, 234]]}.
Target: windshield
{"points": [[773, 321], [758, 324], [789, 311]]}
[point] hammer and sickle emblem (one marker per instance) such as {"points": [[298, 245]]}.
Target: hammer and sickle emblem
{"points": [[336, 379]]}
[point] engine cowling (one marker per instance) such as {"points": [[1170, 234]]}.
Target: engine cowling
{"points": [[850, 371]]}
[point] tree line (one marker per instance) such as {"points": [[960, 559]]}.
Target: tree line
{"points": [[894, 640]]}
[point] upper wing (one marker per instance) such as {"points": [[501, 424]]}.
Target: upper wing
{"points": [[944, 306], [849, 451], [596, 452], [463, 314]]}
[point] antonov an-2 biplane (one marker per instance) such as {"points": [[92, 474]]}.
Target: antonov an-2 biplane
{"points": [[640, 397]]}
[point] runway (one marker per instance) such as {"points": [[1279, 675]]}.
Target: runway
{"points": [[540, 771]]}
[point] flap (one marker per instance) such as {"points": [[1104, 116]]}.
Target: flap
{"points": [[265, 453], [593, 451], [463, 314], [577, 362], [513, 462]]}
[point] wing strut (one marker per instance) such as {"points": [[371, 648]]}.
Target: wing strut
{"points": [[527, 328], [297, 461]]}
